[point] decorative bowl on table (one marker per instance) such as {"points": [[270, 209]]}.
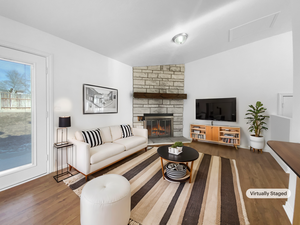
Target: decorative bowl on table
{"points": [[176, 171]]}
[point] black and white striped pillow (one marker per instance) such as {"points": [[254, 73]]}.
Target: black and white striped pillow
{"points": [[92, 137], [126, 131]]}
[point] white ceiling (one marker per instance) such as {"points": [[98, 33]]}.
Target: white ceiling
{"points": [[139, 32]]}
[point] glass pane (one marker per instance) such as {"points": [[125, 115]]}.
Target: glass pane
{"points": [[154, 131], [149, 128], [15, 115], [161, 127], [168, 127]]}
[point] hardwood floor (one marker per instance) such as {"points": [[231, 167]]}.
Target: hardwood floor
{"points": [[43, 201], [255, 171]]}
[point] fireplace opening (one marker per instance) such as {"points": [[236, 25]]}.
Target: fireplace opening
{"points": [[159, 125]]}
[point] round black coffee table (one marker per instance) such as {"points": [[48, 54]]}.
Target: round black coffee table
{"points": [[188, 155]]}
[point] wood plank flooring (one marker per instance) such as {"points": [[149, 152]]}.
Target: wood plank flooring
{"points": [[43, 201]]}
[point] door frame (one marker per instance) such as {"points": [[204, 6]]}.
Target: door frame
{"points": [[49, 102], [280, 101]]}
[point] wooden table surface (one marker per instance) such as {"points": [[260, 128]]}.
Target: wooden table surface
{"points": [[289, 152]]}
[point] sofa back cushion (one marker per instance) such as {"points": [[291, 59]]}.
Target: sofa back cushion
{"points": [[116, 132], [106, 135], [92, 137], [78, 136]]}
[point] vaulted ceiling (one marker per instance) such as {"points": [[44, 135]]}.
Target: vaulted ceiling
{"points": [[139, 32]]}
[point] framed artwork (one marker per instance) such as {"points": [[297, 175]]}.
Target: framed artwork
{"points": [[97, 99]]}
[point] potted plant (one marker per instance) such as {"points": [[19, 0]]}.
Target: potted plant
{"points": [[172, 149], [256, 120], [179, 145], [176, 147]]}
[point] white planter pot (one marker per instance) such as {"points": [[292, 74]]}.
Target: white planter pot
{"points": [[257, 142], [179, 149], [172, 150]]}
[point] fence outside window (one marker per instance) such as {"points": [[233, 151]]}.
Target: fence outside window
{"points": [[15, 100]]}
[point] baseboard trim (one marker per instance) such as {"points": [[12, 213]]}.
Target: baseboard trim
{"points": [[61, 168], [289, 211], [23, 182]]}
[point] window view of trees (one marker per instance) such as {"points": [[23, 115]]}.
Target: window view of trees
{"points": [[15, 115], [15, 82]]}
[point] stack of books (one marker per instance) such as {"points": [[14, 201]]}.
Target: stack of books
{"points": [[230, 138], [198, 136]]}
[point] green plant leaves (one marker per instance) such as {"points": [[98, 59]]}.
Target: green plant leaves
{"points": [[177, 144], [256, 118]]}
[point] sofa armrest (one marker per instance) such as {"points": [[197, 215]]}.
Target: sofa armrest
{"points": [[140, 132], [81, 156]]}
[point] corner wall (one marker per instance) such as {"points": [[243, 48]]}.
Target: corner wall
{"points": [[295, 131], [295, 122], [159, 79], [253, 72]]}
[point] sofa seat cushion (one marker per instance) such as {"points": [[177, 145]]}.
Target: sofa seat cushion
{"points": [[105, 151], [131, 142]]}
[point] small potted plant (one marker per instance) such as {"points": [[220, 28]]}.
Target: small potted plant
{"points": [[256, 120], [179, 145], [173, 148], [176, 147]]}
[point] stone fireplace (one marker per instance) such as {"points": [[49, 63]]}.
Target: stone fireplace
{"points": [[159, 79], [159, 125]]}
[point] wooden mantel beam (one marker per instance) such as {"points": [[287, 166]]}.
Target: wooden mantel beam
{"points": [[159, 95]]}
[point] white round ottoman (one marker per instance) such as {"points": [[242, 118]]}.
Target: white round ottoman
{"points": [[106, 200]]}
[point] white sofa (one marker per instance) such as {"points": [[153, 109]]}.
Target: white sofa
{"points": [[88, 160]]}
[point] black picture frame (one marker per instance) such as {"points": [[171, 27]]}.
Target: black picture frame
{"points": [[99, 100]]}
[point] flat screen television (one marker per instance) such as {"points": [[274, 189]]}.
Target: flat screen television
{"points": [[220, 109]]}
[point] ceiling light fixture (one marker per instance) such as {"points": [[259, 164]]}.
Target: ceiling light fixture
{"points": [[180, 38]]}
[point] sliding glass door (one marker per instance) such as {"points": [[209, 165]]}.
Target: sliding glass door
{"points": [[15, 115], [23, 117]]}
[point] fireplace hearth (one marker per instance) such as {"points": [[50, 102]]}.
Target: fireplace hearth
{"points": [[159, 125]]}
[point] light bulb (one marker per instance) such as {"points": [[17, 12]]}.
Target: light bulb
{"points": [[180, 38]]}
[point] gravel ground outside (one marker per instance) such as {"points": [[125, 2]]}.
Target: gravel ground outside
{"points": [[15, 139]]}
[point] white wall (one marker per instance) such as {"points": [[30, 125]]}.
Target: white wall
{"points": [[295, 131], [295, 123], [253, 72], [72, 67]]}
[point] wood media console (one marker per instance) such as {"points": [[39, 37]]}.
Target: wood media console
{"points": [[217, 134]]}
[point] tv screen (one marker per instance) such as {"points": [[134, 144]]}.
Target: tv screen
{"points": [[221, 109]]}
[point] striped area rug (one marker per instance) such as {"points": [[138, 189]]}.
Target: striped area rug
{"points": [[213, 198]]}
